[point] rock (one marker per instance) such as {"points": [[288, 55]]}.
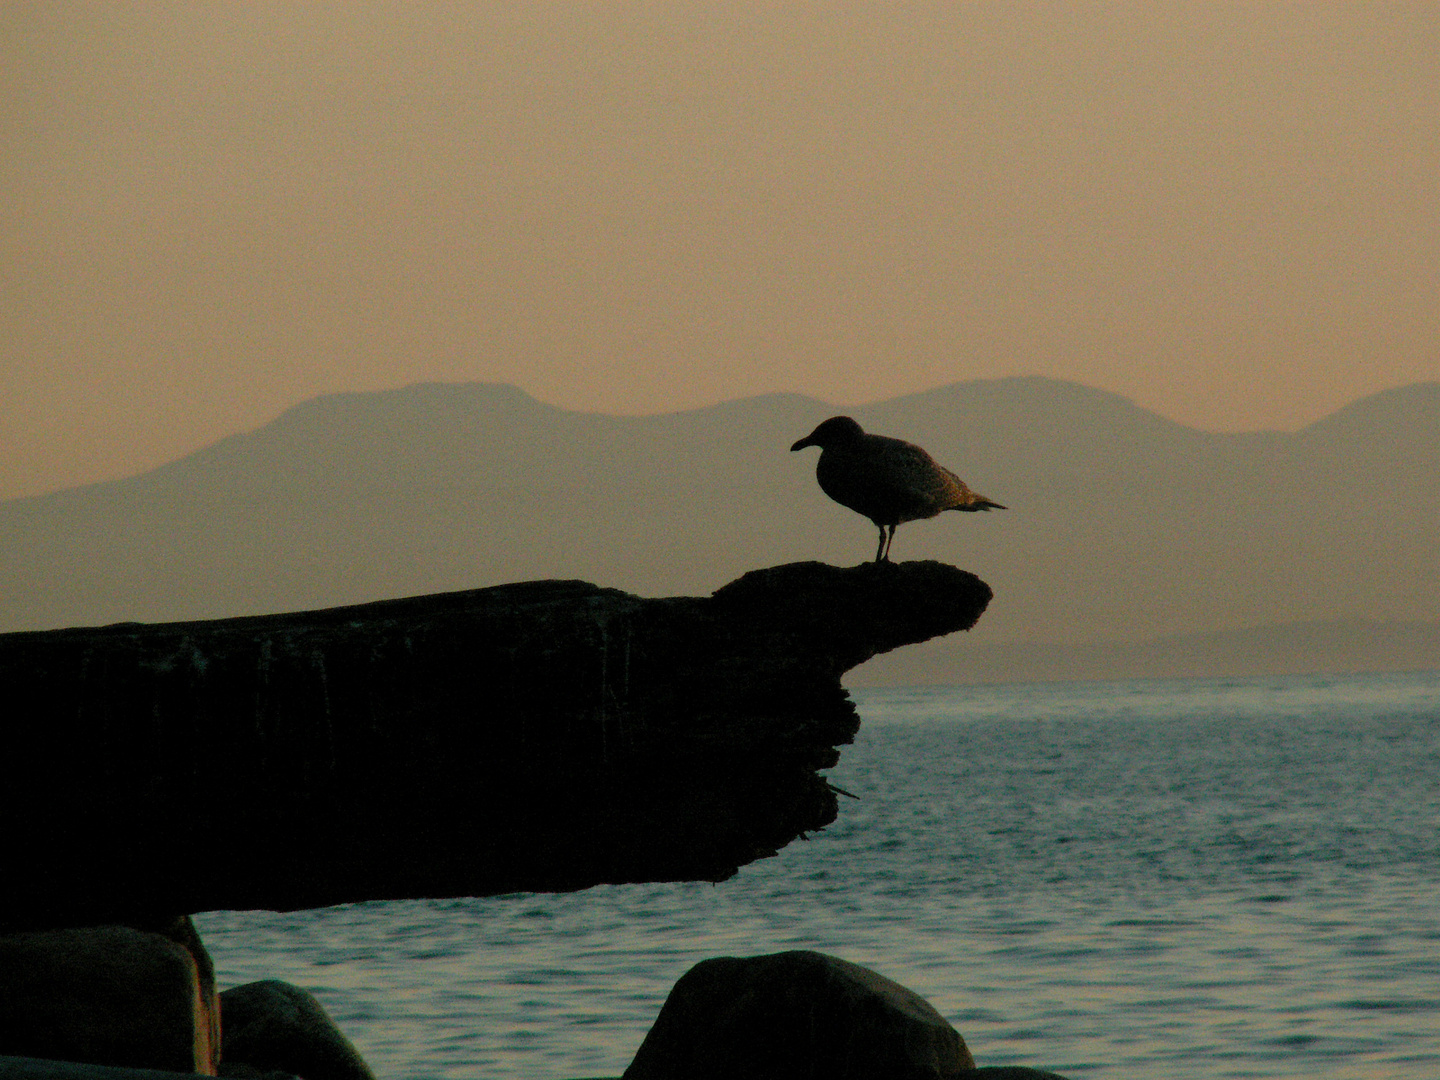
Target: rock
{"points": [[26, 1068], [544, 736], [181, 930], [274, 1027], [796, 1014], [106, 995]]}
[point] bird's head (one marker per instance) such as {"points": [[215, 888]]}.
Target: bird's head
{"points": [[837, 431]]}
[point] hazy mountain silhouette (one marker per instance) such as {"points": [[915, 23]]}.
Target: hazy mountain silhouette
{"points": [[1122, 525]]}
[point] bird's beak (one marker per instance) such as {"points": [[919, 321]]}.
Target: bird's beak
{"points": [[807, 441]]}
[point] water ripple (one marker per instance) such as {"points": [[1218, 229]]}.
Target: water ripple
{"points": [[1194, 879]]}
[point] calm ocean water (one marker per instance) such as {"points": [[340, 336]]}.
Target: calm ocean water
{"points": [[1193, 878]]}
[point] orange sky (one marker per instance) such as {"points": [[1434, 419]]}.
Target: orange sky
{"points": [[1226, 212]]}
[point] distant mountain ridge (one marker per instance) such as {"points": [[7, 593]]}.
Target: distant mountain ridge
{"points": [[1124, 526]]}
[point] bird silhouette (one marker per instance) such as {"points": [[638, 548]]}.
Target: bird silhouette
{"points": [[887, 480]]}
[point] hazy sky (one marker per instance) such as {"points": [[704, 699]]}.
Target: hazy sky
{"points": [[1228, 212]]}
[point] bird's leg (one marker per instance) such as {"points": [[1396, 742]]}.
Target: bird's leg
{"points": [[880, 548], [888, 541]]}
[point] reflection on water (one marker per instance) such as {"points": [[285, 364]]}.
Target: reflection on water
{"points": [[1184, 878]]}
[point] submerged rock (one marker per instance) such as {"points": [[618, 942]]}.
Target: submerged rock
{"points": [[272, 1027], [797, 1014]]}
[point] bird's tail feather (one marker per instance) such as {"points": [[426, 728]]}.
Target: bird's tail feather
{"points": [[980, 503]]}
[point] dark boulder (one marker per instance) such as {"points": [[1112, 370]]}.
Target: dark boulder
{"points": [[28, 1068], [796, 1014], [106, 995], [274, 1027]]}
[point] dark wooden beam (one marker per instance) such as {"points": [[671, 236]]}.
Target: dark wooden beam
{"points": [[544, 736]]}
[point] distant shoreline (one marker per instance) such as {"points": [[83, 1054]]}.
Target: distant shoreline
{"points": [[1339, 647]]}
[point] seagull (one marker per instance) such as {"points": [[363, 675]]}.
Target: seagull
{"points": [[890, 481]]}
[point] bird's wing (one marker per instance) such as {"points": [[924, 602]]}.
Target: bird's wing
{"points": [[903, 479], [930, 483], [923, 476], [962, 497]]}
